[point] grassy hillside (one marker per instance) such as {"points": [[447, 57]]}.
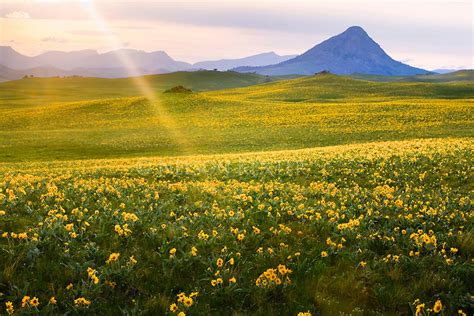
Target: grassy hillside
{"points": [[460, 75], [306, 112], [365, 229], [33, 91]]}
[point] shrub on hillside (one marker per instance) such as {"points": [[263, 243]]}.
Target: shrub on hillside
{"points": [[178, 89]]}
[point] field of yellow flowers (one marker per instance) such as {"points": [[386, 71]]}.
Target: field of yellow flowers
{"points": [[377, 228]]}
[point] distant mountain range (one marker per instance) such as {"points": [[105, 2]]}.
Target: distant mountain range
{"points": [[350, 52], [153, 62], [114, 64], [263, 59]]}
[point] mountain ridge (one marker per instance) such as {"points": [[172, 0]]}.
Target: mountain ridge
{"points": [[262, 59], [118, 63], [91, 59]]}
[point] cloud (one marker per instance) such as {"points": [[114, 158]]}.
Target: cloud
{"points": [[135, 27], [85, 32], [53, 39], [89, 33], [17, 15]]}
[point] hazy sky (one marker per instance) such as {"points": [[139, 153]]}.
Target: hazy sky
{"points": [[427, 34]]}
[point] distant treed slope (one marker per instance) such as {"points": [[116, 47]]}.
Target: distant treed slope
{"points": [[460, 75], [352, 51], [444, 71], [263, 59]]}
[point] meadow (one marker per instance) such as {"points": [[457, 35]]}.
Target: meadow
{"points": [[79, 118], [321, 195]]}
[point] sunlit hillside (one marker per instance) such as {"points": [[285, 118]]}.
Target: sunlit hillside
{"points": [[71, 118]]}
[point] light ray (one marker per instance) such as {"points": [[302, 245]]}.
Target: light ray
{"points": [[139, 80]]}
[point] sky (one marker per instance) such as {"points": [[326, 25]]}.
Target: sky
{"points": [[429, 34]]}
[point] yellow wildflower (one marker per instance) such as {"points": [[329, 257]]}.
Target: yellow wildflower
{"points": [[173, 307], [9, 307], [113, 257], [438, 306], [81, 301], [34, 302], [25, 300], [132, 260], [188, 301]]}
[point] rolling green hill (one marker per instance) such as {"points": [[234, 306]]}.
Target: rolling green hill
{"points": [[78, 118], [32, 91]]}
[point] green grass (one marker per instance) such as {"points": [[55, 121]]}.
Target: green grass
{"points": [[77, 118]]}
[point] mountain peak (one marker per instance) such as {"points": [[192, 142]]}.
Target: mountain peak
{"points": [[7, 48], [272, 53], [355, 33], [352, 51], [355, 30]]}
